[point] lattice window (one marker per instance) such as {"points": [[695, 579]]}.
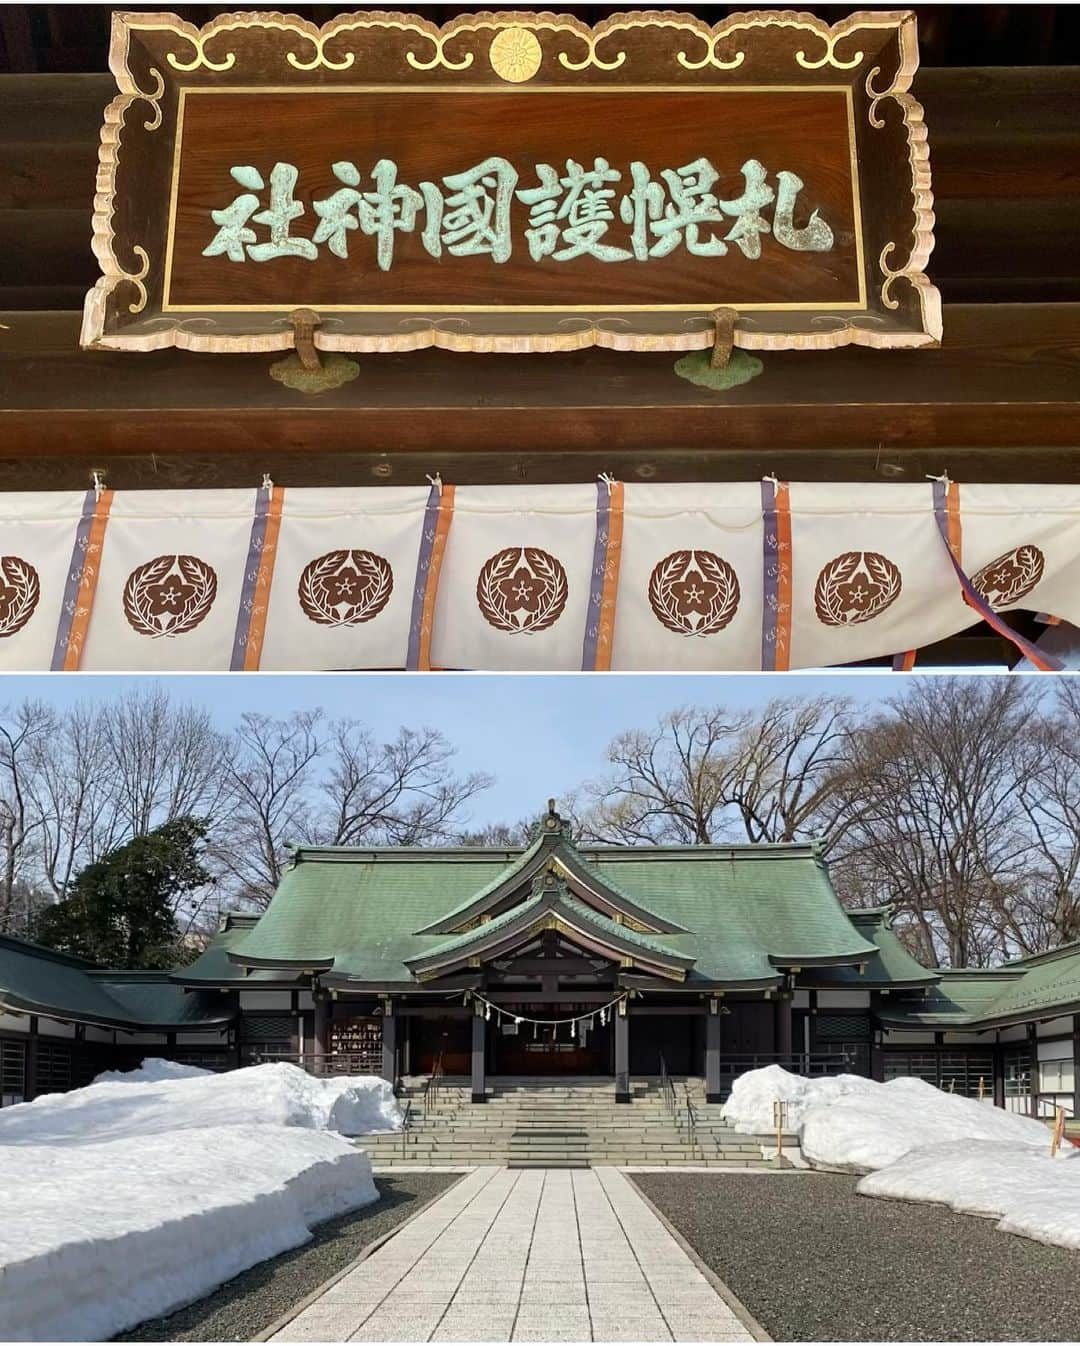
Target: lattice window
{"points": [[12, 1072], [970, 1074], [53, 1067], [843, 1027], [267, 1027]]}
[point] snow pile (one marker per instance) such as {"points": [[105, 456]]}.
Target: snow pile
{"points": [[144, 1191], [156, 1097], [854, 1124], [1020, 1186], [917, 1143]]}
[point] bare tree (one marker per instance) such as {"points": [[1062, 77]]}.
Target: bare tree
{"points": [[22, 730], [709, 774], [271, 764], [167, 759], [303, 779], [935, 788], [1046, 910]]}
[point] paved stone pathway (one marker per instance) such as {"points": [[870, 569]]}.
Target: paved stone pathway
{"points": [[525, 1255]]}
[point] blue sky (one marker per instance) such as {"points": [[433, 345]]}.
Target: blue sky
{"points": [[538, 735]]}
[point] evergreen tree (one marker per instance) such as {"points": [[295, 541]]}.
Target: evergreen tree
{"points": [[121, 910]]}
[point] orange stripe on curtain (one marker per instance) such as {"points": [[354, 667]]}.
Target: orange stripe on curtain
{"points": [[260, 599], [605, 635], [431, 588], [91, 569]]}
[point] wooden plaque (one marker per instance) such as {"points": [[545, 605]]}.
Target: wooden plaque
{"points": [[513, 182]]}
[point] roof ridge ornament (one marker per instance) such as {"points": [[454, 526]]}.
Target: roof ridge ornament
{"points": [[552, 823]]}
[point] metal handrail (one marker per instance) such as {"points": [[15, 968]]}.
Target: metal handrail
{"points": [[667, 1088], [691, 1121], [433, 1085], [406, 1127]]}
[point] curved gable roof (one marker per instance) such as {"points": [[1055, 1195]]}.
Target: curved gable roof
{"points": [[550, 900], [738, 914]]}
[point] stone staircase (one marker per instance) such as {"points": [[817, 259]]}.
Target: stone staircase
{"points": [[548, 1124]]}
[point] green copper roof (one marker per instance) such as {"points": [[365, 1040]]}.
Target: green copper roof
{"points": [[1041, 986], [1050, 984], [961, 999], [152, 1001], [213, 968], [36, 980], [552, 847], [41, 981], [889, 966], [550, 894], [746, 910]]}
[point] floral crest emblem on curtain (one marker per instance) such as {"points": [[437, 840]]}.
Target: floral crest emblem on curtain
{"points": [[855, 587], [522, 590], [345, 587], [694, 593], [169, 595], [20, 590], [1009, 577]]}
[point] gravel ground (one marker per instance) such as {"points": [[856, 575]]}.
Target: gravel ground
{"points": [[815, 1262], [250, 1302]]}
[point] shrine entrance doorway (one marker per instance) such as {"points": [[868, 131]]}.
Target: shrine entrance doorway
{"points": [[583, 1048]]}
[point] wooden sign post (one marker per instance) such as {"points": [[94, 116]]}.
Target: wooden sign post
{"points": [[513, 182]]}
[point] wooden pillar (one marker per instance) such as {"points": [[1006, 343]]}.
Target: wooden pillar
{"points": [[782, 1022], [999, 1073], [321, 1032], [1033, 1047], [30, 1082], [622, 1053], [389, 1041], [479, 1043], [1076, 1065], [712, 1053]]}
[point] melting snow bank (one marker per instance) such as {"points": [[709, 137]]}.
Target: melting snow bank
{"points": [[145, 1191], [854, 1124], [98, 1238], [1021, 1187], [918, 1143], [163, 1096]]}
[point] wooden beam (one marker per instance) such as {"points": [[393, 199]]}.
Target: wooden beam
{"points": [[997, 402]]}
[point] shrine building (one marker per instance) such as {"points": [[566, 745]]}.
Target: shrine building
{"points": [[557, 960]]}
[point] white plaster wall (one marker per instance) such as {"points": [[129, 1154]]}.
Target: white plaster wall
{"points": [[17, 1023], [843, 999], [266, 1000], [54, 1029], [1054, 1027], [1056, 1051]]}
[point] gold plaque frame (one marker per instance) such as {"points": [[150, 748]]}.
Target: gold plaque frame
{"points": [[160, 62]]}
